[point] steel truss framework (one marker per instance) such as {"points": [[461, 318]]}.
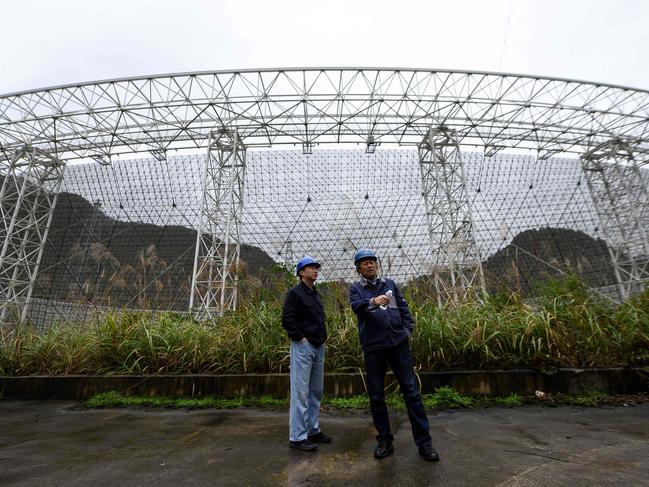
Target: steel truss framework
{"points": [[496, 112], [218, 241], [458, 270], [620, 197], [30, 185]]}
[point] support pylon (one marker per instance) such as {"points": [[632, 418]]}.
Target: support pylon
{"points": [[218, 242], [31, 181], [621, 200], [457, 270]]}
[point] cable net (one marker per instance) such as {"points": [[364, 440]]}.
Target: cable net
{"points": [[123, 234]]}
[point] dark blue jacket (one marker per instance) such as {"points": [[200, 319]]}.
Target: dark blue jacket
{"points": [[378, 328], [303, 315]]}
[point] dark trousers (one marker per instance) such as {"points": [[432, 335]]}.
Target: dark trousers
{"points": [[400, 361]]}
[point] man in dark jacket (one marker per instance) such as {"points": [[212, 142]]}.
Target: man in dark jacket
{"points": [[303, 319], [384, 325]]}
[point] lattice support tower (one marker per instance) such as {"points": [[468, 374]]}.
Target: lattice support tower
{"points": [[457, 269], [218, 242], [621, 200], [31, 181]]}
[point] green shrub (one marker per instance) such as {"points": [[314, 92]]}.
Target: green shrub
{"points": [[447, 398]]}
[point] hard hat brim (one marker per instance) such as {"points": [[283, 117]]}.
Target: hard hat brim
{"points": [[368, 257], [317, 265]]}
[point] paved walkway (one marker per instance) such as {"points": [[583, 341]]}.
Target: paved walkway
{"points": [[53, 444]]}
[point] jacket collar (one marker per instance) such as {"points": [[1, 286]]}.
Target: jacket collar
{"points": [[365, 282], [307, 288]]}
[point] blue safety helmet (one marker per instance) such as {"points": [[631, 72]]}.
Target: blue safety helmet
{"points": [[305, 261], [363, 254]]}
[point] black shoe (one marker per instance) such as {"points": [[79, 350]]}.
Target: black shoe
{"points": [[304, 445], [319, 437], [429, 453], [383, 449]]}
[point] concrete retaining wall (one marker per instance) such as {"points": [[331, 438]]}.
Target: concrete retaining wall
{"points": [[489, 383]]}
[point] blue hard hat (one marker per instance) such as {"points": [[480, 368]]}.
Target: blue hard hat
{"points": [[362, 254], [305, 261]]}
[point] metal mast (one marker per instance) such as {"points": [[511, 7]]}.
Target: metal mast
{"points": [[458, 269], [218, 243], [613, 174], [31, 180]]}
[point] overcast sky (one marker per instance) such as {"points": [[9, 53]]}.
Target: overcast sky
{"points": [[52, 42]]}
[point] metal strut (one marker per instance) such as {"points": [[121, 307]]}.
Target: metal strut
{"points": [[457, 269], [31, 181], [218, 241], [613, 172]]}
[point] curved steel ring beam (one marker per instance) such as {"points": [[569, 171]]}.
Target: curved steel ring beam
{"points": [[323, 105]]}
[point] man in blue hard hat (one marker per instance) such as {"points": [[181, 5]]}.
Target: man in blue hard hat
{"points": [[303, 318], [384, 328]]}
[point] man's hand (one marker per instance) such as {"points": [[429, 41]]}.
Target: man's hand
{"points": [[381, 300]]}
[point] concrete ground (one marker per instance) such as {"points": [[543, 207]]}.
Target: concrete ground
{"points": [[56, 444]]}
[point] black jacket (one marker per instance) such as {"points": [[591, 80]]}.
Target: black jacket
{"points": [[380, 328], [303, 315]]}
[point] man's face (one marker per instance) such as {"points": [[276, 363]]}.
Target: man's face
{"points": [[309, 272], [368, 268]]}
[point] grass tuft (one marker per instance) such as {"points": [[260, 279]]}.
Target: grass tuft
{"points": [[447, 398]]}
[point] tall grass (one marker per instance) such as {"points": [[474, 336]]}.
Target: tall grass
{"points": [[566, 327]]}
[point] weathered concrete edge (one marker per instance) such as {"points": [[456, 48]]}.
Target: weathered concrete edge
{"points": [[490, 383]]}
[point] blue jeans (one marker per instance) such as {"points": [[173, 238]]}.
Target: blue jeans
{"points": [[307, 385], [400, 361]]}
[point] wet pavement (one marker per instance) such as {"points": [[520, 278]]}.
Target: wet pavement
{"points": [[56, 444]]}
